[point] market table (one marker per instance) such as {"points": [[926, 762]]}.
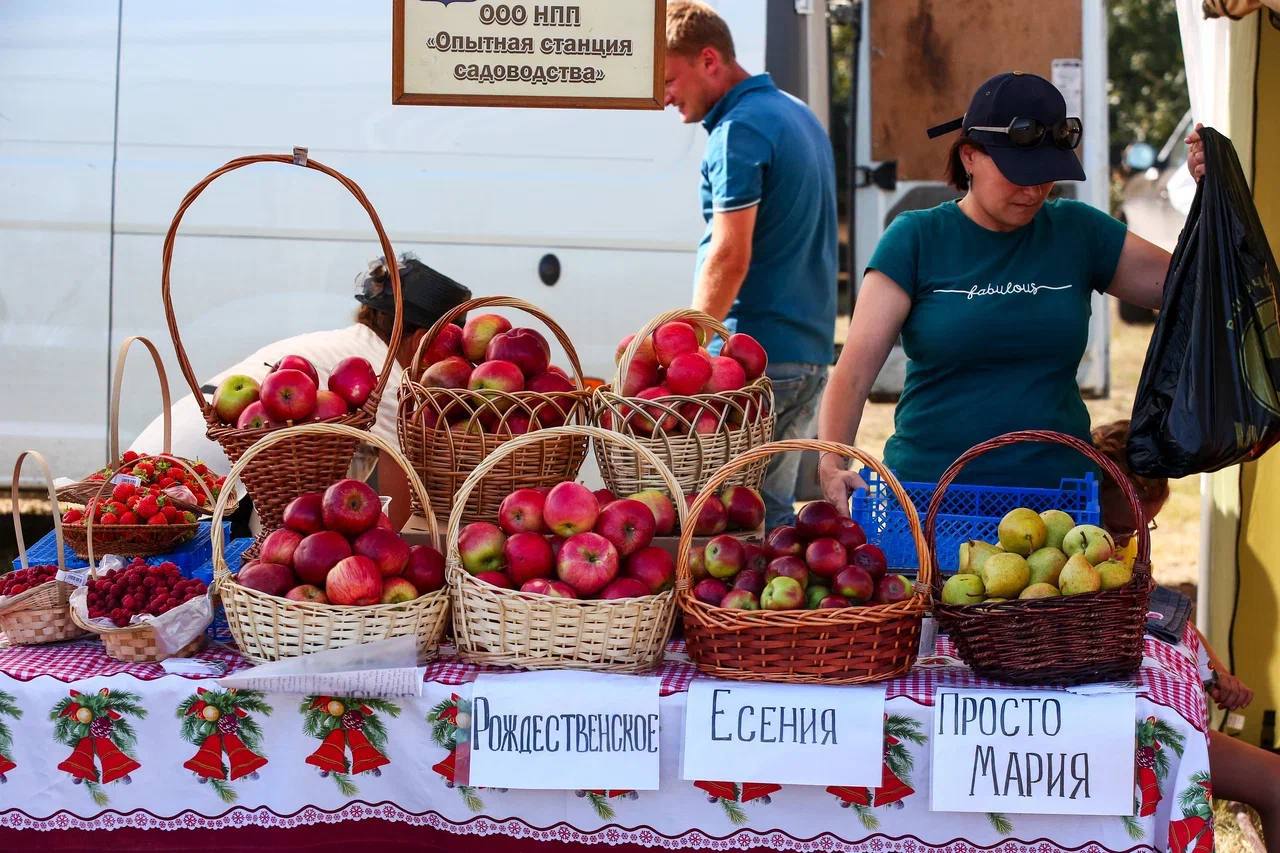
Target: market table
{"points": [[404, 791]]}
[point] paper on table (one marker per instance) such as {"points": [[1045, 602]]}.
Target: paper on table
{"points": [[383, 669]]}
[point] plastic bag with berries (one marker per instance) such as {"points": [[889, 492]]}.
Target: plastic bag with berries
{"points": [[120, 595]]}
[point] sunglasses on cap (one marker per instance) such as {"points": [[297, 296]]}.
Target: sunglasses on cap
{"points": [[1026, 132]]}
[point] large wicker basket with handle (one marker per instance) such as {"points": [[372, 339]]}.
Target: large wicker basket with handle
{"points": [[39, 615], [849, 645], [693, 436], [447, 432], [1070, 639], [269, 627], [309, 462], [506, 627]]}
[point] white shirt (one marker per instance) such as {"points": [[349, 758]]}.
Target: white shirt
{"points": [[322, 349]]}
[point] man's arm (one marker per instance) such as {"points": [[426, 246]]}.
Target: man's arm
{"points": [[728, 258]]}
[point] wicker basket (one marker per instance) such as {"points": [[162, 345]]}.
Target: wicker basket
{"points": [[268, 627], [849, 645], [503, 627], [1071, 639], [308, 463], [743, 420], [446, 433], [41, 614]]}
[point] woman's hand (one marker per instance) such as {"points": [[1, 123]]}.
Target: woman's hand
{"points": [[1195, 156], [837, 483], [1230, 692]]}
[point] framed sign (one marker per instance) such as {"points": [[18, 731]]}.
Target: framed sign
{"points": [[605, 54]]}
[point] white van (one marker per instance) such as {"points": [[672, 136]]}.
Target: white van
{"points": [[110, 112]]}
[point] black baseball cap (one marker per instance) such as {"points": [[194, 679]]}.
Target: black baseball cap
{"points": [[427, 294], [996, 104]]}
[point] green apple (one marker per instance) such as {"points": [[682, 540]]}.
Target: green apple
{"points": [[233, 396], [1092, 541], [963, 589], [782, 593]]}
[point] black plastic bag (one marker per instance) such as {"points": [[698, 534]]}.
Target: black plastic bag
{"points": [[1209, 395]]}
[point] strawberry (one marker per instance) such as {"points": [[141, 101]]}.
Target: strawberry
{"points": [[164, 482], [147, 507], [129, 518], [158, 518], [170, 513], [145, 468], [189, 517], [123, 491], [72, 516], [200, 468], [109, 518]]}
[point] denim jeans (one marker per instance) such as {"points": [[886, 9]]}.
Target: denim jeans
{"points": [[797, 387]]}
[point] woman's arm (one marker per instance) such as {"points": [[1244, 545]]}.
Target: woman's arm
{"points": [[1140, 274], [881, 309]]}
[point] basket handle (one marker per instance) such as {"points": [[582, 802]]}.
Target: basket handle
{"points": [[220, 570], [113, 458], [53, 503], [496, 302], [298, 159], [509, 447], [684, 576], [1141, 563], [697, 319], [106, 481]]}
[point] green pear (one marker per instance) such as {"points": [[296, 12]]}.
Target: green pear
{"points": [[1040, 590], [1078, 576], [1004, 575], [1095, 543], [1056, 524], [1045, 565], [1022, 531], [1114, 573], [963, 589], [993, 600], [973, 554]]}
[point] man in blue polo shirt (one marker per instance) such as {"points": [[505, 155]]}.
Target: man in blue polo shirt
{"points": [[767, 262]]}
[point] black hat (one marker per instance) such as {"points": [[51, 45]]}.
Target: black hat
{"points": [[427, 294], [1015, 95]]}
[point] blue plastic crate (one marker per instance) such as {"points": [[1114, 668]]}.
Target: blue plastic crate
{"points": [[191, 557], [967, 512]]}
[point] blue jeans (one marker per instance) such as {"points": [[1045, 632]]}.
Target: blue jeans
{"points": [[797, 387]]}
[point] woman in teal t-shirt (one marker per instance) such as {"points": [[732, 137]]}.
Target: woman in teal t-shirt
{"points": [[990, 295]]}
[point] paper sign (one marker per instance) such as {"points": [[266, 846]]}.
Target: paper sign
{"points": [[1068, 77], [382, 669], [797, 734], [1033, 752], [564, 730]]}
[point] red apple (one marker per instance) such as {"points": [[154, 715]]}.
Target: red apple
{"points": [[297, 362], [499, 579], [740, 599], [653, 567], [350, 507], [550, 382], [785, 541], [255, 416], [587, 562], [354, 581], [384, 521], [525, 348], [279, 546], [528, 556], [673, 339], [724, 556], [833, 602], [747, 351], [755, 556], [307, 592], [480, 546], [817, 519], [448, 342], [825, 557], [497, 376], [555, 589], [644, 352], [329, 405], [783, 593], [425, 569], [304, 513], [271, 578], [557, 545], [788, 567], [871, 559], [850, 534], [705, 423], [628, 524], [604, 497], [640, 375], [353, 380], [687, 373], [710, 591], [514, 423], [750, 579], [478, 331], [233, 396], [318, 553], [396, 590], [451, 372], [698, 563], [659, 417], [388, 551], [570, 508], [744, 508], [891, 588], [726, 375], [712, 520], [664, 512], [521, 511], [854, 584], [624, 588]]}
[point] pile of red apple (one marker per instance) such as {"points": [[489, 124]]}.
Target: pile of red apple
{"points": [[140, 588], [823, 561], [291, 394], [488, 355], [339, 548]]}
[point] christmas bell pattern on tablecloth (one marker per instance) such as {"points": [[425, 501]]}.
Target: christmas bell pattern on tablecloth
{"points": [[732, 796], [353, 739], [228, 739], [450, 722], [1193, 833], [8, 708], [94, 725], [895, 773]]}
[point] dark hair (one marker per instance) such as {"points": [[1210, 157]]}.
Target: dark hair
{"points": [[382, 322], [956, 176]]}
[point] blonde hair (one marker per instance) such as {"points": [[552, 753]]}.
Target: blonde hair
{"points": [[692, 25]]}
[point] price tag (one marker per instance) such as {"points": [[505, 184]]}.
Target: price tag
{"points": [[75, 577], [562, 730], [784, 734], [127, 478], [1033, 752]]}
